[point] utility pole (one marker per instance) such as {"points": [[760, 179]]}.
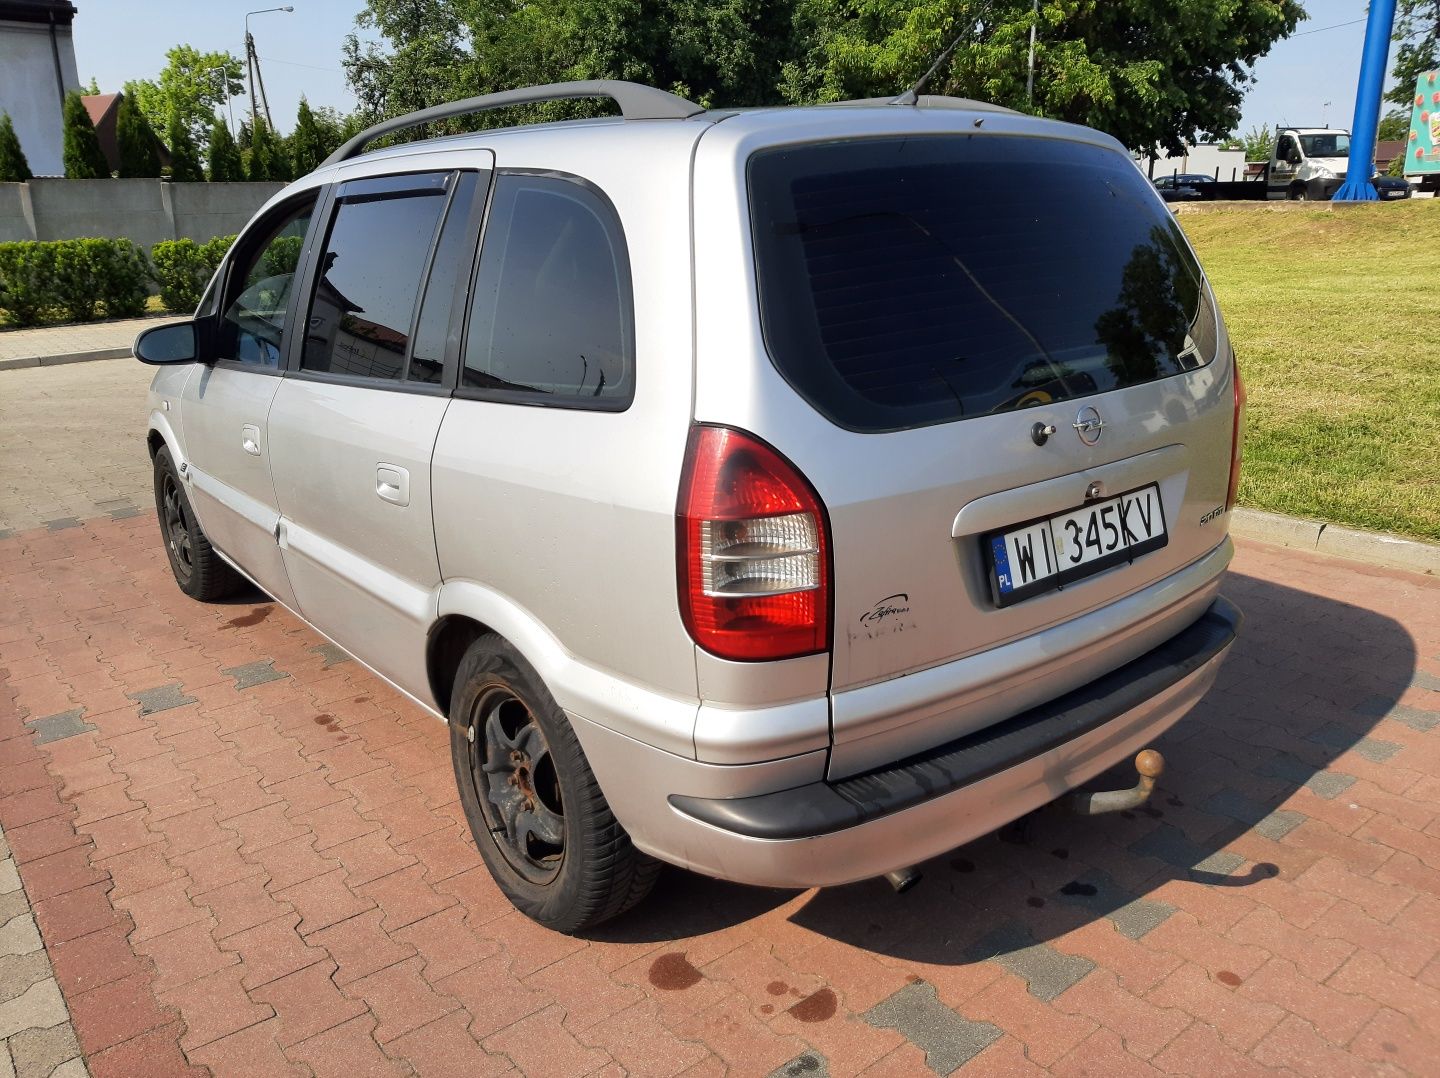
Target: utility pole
{"points": [[252, 68]]}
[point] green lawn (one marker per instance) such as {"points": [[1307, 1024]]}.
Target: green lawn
{"points": [[1335, 316]]}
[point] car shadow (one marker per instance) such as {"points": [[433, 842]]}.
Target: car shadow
{"points": [[1307, 680]]}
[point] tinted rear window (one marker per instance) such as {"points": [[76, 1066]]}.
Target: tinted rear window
{"points": [[911, 281]]}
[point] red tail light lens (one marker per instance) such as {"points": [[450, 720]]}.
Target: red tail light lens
{"points": [[752, 551], [1237, 437]]}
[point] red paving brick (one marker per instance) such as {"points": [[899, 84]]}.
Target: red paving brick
{"points": [[227, 881]]}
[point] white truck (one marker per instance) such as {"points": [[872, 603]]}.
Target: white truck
{"points": [[1308, 163]]}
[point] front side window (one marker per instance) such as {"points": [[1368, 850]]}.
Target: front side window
{"points": [[551, 320], [252, 328], [911, 281], [1330, 144], [369, 277]]}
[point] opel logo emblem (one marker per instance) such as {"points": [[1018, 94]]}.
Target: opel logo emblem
{"points": [[1088, 425]]}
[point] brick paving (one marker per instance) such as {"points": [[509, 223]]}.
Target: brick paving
{"points": [[245, 854], [46, 342], [72, 439]]}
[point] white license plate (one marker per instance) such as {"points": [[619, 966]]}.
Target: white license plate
{"points": [[1050, 553]]}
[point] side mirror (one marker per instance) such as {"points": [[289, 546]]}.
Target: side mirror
{"points": [[174, 343]]}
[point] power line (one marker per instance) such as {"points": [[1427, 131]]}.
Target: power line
{"points": [[312, 67], [1322, 29]]}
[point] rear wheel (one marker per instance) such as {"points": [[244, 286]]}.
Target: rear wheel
{"points": [[201, 572], [538, 816]]}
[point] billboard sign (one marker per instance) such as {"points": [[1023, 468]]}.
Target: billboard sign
{"points": [[1422, 149]]}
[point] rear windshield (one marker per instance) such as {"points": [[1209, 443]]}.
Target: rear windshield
{"points": [[910, 281]]}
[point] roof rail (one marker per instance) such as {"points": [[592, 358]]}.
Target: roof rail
{"points": [[637, 102]]}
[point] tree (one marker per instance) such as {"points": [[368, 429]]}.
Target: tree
{"points": [[1417, 29], [1258, 143], [184, 160], [225, 165], [135, 141], [425, 59], [84, 160], [267, 155], [1150, 72], [92, 89], [13, 166], [1394, 124], [313, 139], [191, 86]]}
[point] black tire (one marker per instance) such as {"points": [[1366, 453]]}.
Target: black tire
{"points": [[201, 573], [1299, 193], [538, 816]]}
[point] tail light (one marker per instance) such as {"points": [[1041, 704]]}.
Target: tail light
{"points": [[1237, 436], [752, 551]]}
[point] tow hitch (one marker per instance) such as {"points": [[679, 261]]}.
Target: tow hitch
{"points": [[1149, 763]]}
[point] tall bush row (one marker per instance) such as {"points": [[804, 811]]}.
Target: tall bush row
{"points": [[78, 280]]}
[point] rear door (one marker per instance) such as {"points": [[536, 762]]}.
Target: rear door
{"points": [[353, 428], [1026, 419], [226, 405]]}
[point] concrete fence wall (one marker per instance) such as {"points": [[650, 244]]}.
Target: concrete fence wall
{"points": [[142, 211]]}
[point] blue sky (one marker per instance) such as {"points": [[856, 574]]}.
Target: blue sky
{"points": [[301, 53]]}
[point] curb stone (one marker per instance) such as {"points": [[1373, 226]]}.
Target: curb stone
{"points": [[68, 357], [1376, 548]]}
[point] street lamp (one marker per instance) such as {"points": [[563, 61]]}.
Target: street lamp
{"points": [[252, 64], [221, 78]]}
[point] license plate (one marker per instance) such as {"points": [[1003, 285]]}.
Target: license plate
{"points": [[1051, 552]]}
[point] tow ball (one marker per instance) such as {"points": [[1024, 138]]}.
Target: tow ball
{"points": [[1149, 763]]}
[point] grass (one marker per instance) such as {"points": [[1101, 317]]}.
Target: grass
{"points": [[1335, 317]]}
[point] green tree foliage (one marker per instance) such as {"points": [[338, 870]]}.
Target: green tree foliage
{"points": [[1417, 30], [1395, 124], [192, 85], [267, 155], [84, 160], [1150, 72], [1258, 143], [225, 164], [316, 136], [184, 160], [136, 142], [422, 60], [91, 89], [13, 166]]}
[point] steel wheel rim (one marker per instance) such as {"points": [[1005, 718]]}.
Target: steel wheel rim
{"points": [[516, 784], [176, 522]]}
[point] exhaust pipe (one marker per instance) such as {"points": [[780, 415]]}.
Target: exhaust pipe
{"points": [[902, 879], [1149, 763]]}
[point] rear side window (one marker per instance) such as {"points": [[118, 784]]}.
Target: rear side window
{"points": [[911, 281], [369, 276], [551, 321]]}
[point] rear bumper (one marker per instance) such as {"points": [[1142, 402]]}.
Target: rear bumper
{"points": [[820, 833]]}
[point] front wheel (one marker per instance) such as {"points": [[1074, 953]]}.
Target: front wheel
{"points": [[537, 813], [201, 572]]}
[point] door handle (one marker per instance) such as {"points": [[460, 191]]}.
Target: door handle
{"points": [[250, 439], [392, 483]]}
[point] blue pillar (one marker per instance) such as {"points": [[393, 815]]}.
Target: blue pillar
{"points": [[1357, 186]]}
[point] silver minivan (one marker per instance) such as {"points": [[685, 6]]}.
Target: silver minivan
{"points": [[789, 494]]}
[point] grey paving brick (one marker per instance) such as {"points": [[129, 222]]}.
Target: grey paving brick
{"points": [[39, 1051], [1375, 706], [1279, 824], [1173, 846], [1220, 863], [1414, 717], [19, 935], [1334, 736], [1045, 970], [19, 971], [331, 653], [7, 1065], [1232, 803], [59, 524], [1424, 680], [1290, 768], [1330, 784], [161, 698], [38, 1007], [125, 513], [6, 533], [1375, 750], [72, 1068], [1098, 893], [108, 504], [809, 1064], [948, 1040], [256, 673], [59, 727]]}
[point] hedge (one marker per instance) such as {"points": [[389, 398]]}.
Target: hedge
{"points": [[76, 280]]}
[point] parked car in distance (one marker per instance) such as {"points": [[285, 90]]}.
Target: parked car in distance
{"points": [[767, 510], [1184, 186], [1391, 187]]}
